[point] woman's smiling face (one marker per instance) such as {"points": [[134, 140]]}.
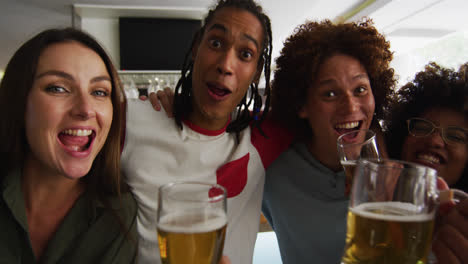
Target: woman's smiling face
{"points": [[68, 110], [448, 159]]}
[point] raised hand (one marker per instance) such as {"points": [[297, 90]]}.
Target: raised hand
{"points": [[451, 239]]}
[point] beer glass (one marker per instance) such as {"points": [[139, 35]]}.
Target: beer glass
{"points": [[355, 145], [391, 213], [191, 223]]}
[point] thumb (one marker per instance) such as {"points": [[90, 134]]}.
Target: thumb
{"points": [[445, 196], [442, 184]]}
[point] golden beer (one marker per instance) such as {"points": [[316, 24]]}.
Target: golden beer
{"points": [[387, 233], [191, 239]]}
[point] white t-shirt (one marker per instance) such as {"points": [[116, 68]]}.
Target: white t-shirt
{"points": [[157, 152]]}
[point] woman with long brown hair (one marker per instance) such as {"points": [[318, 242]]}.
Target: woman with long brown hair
{"points": [[63, 198]]}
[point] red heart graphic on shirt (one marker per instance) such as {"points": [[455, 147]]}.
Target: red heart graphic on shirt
{"points": [[233, 175]]}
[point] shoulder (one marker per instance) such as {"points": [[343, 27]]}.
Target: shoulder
{"points": [[273, 142], [142, 110], [140, 115], [125, 206], [129, 206], [141, 118], [111, 235], [290, 160]]}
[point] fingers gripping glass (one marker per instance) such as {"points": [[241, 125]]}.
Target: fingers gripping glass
{"points": [[420, 127]]}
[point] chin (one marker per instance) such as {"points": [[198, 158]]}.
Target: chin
{"points": [[76, 172]]}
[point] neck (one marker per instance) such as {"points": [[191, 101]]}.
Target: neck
{"points": [[328, 157], [208, 124], [43, 189], [48, 198]]}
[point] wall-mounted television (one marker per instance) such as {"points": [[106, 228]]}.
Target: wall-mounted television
{"points": [[155, 43]]}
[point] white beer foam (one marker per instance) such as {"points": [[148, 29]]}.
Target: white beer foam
{"points": [[394, 211], [190, 223]]}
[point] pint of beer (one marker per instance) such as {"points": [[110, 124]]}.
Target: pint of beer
{"points": [[191, 223], [391, 214]]}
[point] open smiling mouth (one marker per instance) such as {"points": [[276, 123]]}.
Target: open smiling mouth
{"points": [[430, 158], [343, 128], [77, 140], [218, 92]]}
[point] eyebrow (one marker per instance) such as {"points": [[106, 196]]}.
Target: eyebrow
{"points": [[67, 76], [328, 81], [101, 78], [224, 29], [55, 73]]}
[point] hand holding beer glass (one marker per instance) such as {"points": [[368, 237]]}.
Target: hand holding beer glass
{"points": [[191, 223], [355, 145], [390, 223]]}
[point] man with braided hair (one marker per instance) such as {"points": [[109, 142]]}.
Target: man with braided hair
{"points": [[215, 138]]}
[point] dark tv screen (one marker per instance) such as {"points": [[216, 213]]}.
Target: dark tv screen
{"points": [[155, 44]]}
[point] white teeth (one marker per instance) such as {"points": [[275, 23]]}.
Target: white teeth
{"points": [[74, 148], [430, 158], [78, 132], [348, 125]]}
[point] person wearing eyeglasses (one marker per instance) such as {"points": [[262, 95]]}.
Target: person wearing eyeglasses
{"points": [[427, 123], [425, 132]]}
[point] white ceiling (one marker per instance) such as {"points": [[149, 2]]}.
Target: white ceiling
{"points": [[407, 23]]}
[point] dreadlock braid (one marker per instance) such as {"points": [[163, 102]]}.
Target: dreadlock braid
{"points": [[182, 97], [182, 102], [267, 70]]}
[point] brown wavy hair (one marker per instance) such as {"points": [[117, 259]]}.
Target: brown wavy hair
{"points": [[305, 51], [435, 87]]}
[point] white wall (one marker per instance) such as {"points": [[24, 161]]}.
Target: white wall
{"points": [[450, 52], [106, 31]]}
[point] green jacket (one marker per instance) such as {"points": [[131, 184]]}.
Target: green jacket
{"points": [[89, 233]]}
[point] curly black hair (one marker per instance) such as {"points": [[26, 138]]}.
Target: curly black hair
{"points": [[183, 92], [306, 50], [435, 87]]}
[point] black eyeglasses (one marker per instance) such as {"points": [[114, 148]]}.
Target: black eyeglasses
{"points": [[453, 135]]}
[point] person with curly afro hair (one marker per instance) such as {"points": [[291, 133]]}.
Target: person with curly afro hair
{"points": [[330, 79], [427, 123], [433, 102]]}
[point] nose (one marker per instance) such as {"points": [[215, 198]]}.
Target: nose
{"points": [[435, 139], [349, 104], [226, 62], [82, 107]]}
